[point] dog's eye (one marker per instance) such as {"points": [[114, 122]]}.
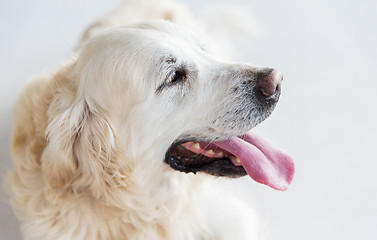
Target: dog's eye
{"points": [[174, 78], [178, 76]]}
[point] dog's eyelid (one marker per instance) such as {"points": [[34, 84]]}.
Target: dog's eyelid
{"points": [[171, 60]]}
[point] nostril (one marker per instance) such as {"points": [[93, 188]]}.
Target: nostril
{"points": [[269, 82]]}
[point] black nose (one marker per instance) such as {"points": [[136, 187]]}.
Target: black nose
{"points": [[269, 82]]}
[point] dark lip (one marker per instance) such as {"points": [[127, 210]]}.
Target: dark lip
{"points": [[192, 164]]}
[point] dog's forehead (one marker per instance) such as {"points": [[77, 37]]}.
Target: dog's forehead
{"points": [[168, 29], [152, 50], [164, 35], [149, 40]]}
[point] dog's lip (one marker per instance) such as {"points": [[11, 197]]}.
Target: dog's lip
{"points": [[183, 156]]}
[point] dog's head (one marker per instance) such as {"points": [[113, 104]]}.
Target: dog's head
{"points": [[152, 94]]}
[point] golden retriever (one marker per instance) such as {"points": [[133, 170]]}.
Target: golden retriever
{"points": [[108, 145]]}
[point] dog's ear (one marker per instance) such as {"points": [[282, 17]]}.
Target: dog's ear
{"points": [[81, 150]]}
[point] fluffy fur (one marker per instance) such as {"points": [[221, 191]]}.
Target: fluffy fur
{"points": [[89, 139]]}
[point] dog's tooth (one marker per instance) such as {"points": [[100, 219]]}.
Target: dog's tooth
{"points": [[187, 144], [237, 160], [219, 154], [196, 145], [210, 152]]}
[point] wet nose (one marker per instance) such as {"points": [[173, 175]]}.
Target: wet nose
{"points": [[269, 82]]}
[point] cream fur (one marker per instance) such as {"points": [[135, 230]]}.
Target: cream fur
{"points": [[89, 139]]}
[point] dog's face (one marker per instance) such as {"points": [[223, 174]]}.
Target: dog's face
{"points": [[166, 98]]}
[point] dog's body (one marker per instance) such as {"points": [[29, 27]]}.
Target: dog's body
{"points": [[89, 140]]}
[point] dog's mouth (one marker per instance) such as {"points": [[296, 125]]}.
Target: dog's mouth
{"points": [[235, 157]]}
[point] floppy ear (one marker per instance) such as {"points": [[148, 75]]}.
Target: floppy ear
{"points": [[80, 150]]}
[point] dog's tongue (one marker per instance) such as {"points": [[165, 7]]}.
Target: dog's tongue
{"points": [[262, 160]]}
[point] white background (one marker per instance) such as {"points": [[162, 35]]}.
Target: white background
{"points": [[326, 117]]}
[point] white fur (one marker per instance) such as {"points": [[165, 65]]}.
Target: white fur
{"points": [[89, 141]]}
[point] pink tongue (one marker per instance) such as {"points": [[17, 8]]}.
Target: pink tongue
{"points": [[262, 160]]}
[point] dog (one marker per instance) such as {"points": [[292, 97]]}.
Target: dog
{"points": [[120, 141]]}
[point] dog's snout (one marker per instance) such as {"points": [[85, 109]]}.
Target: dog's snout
{"points": [[269, 82]]}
